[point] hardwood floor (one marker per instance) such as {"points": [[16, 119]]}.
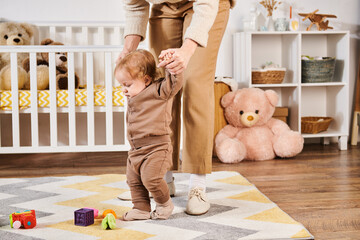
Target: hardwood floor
{"points": [[319, 188]]}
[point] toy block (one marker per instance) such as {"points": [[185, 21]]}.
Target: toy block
{"points": [[84, 217]]}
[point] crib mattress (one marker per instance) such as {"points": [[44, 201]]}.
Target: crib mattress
{"points": [[62, 98]]}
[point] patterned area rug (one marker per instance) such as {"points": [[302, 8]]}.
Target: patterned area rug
{"points": [[238, 210]]}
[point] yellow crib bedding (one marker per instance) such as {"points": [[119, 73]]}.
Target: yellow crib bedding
{"points": [[62, 98]]}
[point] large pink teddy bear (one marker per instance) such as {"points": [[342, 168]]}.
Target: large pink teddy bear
{"points": [[252, 133]]}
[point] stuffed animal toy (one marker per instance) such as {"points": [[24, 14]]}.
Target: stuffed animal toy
{"points": [[61, 67], [42, 73], [252, 133], [14, 34]]}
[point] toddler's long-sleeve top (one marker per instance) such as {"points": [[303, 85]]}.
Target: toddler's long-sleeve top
{"points": [[149, 112]]}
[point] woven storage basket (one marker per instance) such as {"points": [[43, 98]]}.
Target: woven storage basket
{"points": [[315, 124], [314, 71], [271, 76]]}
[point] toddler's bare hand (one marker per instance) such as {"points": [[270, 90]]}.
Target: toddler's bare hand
{"points": [[167, 57]]}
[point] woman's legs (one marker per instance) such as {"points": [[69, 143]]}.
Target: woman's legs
{"points": [[168, 24], [198, 97]]}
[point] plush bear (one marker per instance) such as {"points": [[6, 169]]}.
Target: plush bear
{"points": [[252, 133], [14, 34], [42, 73], [61, 66]]}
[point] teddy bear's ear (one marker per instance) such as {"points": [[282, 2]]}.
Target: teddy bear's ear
{"points": [[28, 28], [46, 41], [227, 99], [272, 97]]}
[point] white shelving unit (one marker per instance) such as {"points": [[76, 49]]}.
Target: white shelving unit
{"points": [[253, 49]]}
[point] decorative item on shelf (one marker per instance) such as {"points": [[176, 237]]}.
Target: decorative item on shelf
{"points": [[270, 6], [281, 24], [269, 74], [318, 20], [293, 22], [317, 69], [251, 21], [315, 124]]}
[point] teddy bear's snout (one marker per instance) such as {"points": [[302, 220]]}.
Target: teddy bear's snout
{"points": [[249, 119], [63, 58], [14, 41]]}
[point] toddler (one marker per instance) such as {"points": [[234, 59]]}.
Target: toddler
{"points": [[148, 118]]}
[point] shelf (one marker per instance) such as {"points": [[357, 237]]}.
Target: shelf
{"points": [[325, 84], [328, 133], [274, 85], [331, 99]]}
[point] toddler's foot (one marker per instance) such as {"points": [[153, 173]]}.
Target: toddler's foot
{"points": [[136, 214], [163, 211]]}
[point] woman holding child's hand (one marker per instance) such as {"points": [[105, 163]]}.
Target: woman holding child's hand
{"points": [[185, 36], [180, 57]]}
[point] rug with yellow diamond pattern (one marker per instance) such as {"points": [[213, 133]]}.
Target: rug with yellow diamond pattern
{"points": [[238, 210]]}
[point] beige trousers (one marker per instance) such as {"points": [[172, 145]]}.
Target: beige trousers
{"points": [[168, 23]]}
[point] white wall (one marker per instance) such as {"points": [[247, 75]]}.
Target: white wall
{"points": [[347, 12]]}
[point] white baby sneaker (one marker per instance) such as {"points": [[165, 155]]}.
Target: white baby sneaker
{"points": [[198, 203]]}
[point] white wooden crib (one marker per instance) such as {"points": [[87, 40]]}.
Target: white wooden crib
{"points": [[92, 49]]}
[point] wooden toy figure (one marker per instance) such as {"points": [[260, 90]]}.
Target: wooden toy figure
{"points": [[317, 19]]}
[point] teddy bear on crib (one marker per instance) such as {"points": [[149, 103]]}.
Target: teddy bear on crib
{"points": [[14, 34], [252, 133], [61, 67]]}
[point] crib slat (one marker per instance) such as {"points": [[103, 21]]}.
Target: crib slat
{"points": [[90, 98], [101, 36], [117, 35], [52, 32], [53, 100], [15, 100], [68, 35], [84, 42], [34, 102], [85, 35], [71, 91], [109, 107]]}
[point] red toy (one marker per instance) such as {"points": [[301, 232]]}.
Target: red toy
{"points": [[26, 219]]}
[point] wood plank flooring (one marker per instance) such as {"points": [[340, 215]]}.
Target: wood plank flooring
{"points": [[319, 188]]}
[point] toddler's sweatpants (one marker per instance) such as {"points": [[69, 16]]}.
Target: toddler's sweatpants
{"points": [[146, 167]]}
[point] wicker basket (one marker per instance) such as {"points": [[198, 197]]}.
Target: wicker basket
{"points": [[314, 71], [272, 76], [315, 124]]}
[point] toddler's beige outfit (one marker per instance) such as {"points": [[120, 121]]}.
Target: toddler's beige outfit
{"points": [[150, 157]]}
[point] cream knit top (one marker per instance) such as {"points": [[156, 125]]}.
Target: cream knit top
{"points": [[205, 11]]}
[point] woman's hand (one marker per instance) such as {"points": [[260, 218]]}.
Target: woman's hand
{"points": [[180, 57], [130, 44]]}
